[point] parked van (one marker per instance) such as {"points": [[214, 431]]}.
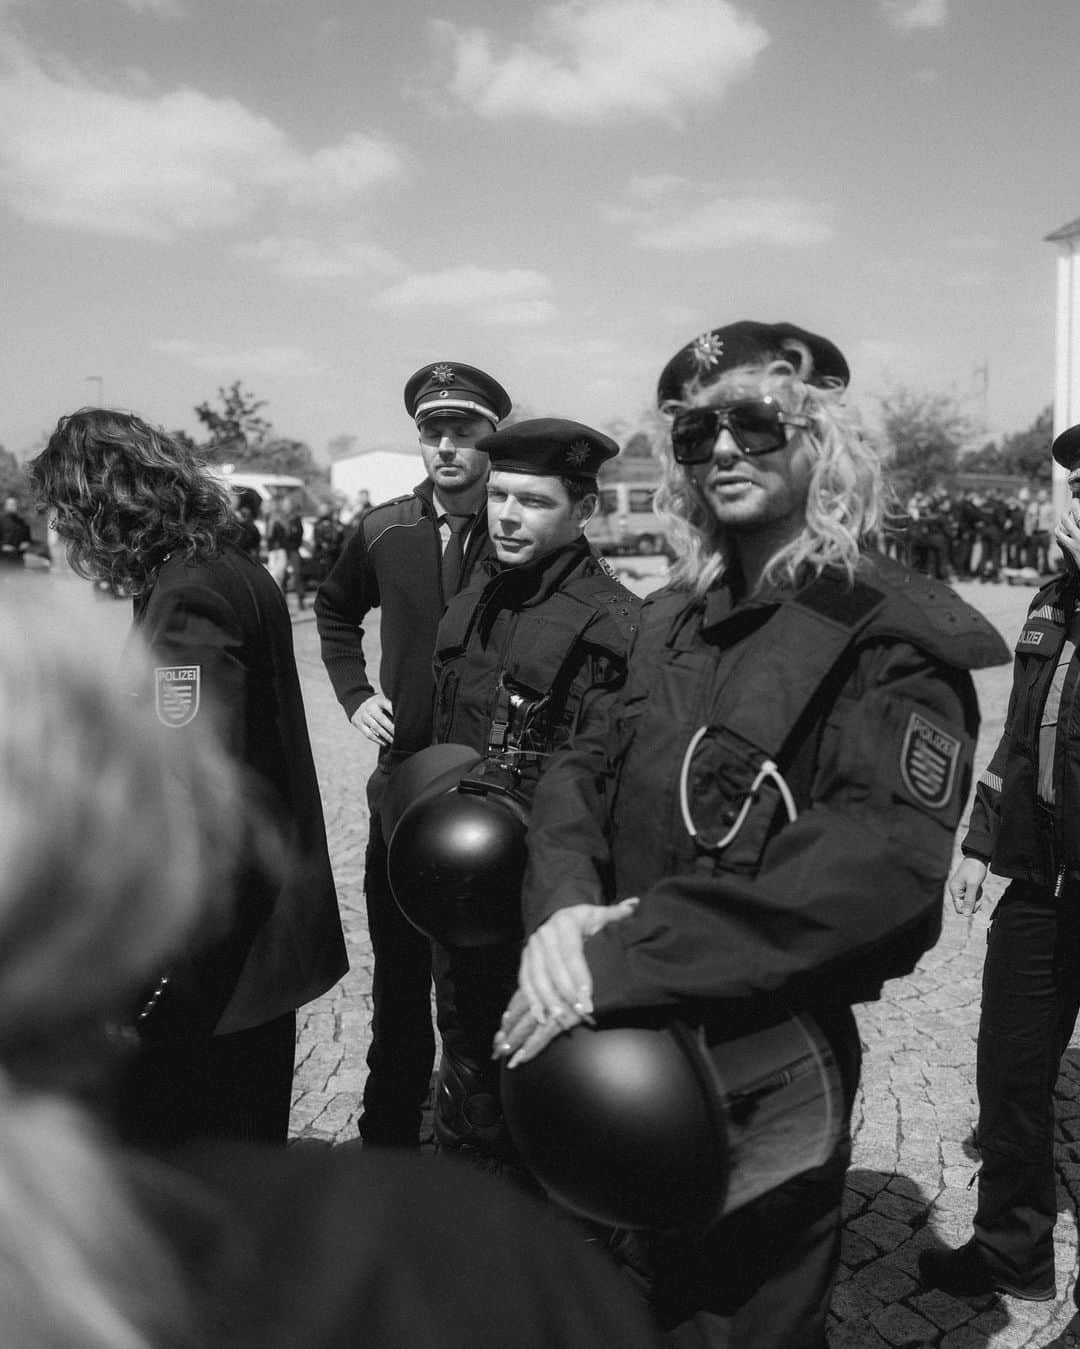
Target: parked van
{"points": [[270, 487], [626, 521]]}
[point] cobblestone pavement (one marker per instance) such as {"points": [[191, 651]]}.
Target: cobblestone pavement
{"points": [[909, 1185]]}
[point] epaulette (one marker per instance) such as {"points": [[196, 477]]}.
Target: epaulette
{"points": [[375, 520], [607, 595], [1049, 601], [932, 616]]}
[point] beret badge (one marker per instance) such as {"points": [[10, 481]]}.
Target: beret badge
{"points": [[443, 373], [578, 453], [706, 351]]}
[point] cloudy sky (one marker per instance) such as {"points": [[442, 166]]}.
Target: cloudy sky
{"points": [[318, 198]]}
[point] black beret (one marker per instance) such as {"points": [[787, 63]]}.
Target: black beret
{"points": [[549, 446], [816, 359], [1066, 448], [449, 388]]}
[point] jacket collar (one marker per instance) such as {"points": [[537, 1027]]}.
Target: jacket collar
{"points": [[519, 587]]}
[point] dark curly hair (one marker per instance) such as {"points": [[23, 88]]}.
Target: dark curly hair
{"points": [[125, 496]]}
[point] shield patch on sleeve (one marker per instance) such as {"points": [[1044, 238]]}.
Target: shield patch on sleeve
{"points": [[177, 693], [928, 761]]}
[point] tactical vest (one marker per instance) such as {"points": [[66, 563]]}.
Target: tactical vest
{"points": [[714, 731], [533, 706]]}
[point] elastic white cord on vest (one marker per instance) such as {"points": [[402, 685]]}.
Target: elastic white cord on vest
{"points": [[768, 772]]}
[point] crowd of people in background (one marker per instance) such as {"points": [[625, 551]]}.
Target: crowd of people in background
{"points": [[964, 536]]}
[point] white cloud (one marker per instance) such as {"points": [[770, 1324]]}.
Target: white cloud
{"points": [[164, 9], [652, 187], [683, 316], [150, 166], [301, 259], [512, 295], [974, 243], [910, 14], [729, 222], [343, 172], [219, 357], [973, 279], [591, 61]]}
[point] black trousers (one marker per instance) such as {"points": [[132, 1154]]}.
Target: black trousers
{"points": [[236, 1087], [402, 1051], [762, 1278], [1030, 998]]}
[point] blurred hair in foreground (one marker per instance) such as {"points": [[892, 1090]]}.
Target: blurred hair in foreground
{"points": [[113, 833]]}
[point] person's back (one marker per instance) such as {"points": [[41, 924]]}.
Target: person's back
{"points": [[218, 1034]]}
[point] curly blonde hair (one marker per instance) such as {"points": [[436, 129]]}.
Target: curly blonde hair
{"points": [[845, 498], [125, 496]]}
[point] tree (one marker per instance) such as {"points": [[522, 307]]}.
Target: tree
{"points": [[1024, 454], [1027, 453], [239, 435], [923, 435], [341, 447], [12, 476], [236, 430], [279, 454]]}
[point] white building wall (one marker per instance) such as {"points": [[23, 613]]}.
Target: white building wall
{"points": [[383, 473]]}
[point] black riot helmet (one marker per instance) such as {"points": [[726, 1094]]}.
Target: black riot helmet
{"points": [[654, 1125], [456, 856]]}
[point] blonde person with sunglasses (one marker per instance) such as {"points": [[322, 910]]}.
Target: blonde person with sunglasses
{"points": [[759, 832]]}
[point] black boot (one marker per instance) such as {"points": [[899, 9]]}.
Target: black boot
{"points": [[966, 1272]]}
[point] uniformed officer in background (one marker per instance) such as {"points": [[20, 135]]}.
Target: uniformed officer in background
{"points": [[406, 558], [521, 656], [786, 766], [1023, 827]]}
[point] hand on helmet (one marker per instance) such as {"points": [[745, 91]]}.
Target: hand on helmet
{"points": [[554, 983]]}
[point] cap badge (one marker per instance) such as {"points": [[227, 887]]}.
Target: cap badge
{"points": [[578, 453], [443, 373], [706, 351]]}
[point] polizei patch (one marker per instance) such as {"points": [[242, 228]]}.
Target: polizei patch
{"points": [[177, 690], [928, 760]]}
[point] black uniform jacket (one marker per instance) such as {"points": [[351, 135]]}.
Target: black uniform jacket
{"points": [[522, 652], [1009, 828], [817, 911], [393, 561], [220, 640]]}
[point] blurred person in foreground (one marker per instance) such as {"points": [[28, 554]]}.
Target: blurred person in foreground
{"points": [[1023, 827], [219, 1029], [219, 1245], [814, 701], [407, 558]]}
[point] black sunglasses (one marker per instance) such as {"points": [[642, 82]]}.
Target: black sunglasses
{"points": [[756, 426]]}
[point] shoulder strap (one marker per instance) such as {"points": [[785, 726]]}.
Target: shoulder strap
{"points": [[821, 623]]}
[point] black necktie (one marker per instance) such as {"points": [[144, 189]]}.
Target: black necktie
{"points": [[454, 553]]}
